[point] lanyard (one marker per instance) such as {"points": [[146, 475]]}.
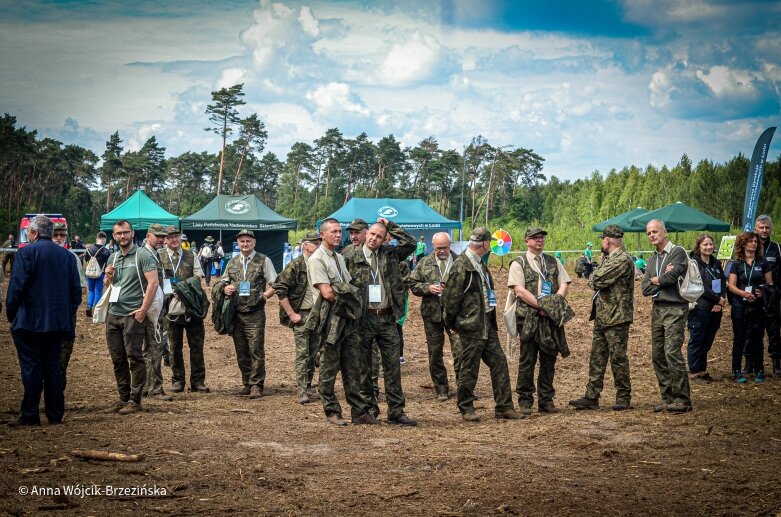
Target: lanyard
{"points": [[544, 273], [375, 273], [748, 275], [176, 267], [660, 265], [447, 268]]}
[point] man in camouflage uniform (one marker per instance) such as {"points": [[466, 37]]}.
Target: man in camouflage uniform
{"points": [[325, 270], [153, 351], [358, 230], [248, 276], [179, 264], [427, 281], [8, 257], [533, 275], [374, 268], [668, 318], [469, 302], [60, 237], [295, 303], [612, 312]]}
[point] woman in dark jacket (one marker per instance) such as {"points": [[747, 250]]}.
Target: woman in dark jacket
{"points": [[705, 318], [749, 273]]}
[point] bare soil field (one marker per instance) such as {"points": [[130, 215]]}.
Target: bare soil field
{"points": [[218, 453]]}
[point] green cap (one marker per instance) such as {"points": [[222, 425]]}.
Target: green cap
{"points": [[312, 237], [531, 231], [613, 230], [60, 226], [157, 229], [358, 225], [589, 244], [172, 230], [246, 232], [480, 234]]}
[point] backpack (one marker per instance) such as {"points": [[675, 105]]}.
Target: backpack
{"points": [[93, 269], [690, 287]]}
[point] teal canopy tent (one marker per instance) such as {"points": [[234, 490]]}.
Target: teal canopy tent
{"points": [[140, 211], [680, 217], [624, 221]]}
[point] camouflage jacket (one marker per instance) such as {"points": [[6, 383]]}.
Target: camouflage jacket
{"points": [[614, 283], [463, 299], [388, 263], [532, 279], [425, 274], [291, 284], [184, 269], [234, 275]]}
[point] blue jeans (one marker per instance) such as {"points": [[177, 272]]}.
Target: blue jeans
{"points": [[703, 326], [95, 287]]}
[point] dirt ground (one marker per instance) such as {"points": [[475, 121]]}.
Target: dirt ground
{"points": [[219, 453]]}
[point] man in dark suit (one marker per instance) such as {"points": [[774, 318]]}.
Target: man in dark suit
{"points": [[43, 295]]}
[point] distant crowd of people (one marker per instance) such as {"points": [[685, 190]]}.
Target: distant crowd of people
{"points": [[346, 309]]}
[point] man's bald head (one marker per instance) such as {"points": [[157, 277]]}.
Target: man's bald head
{"points": [[441, 242]]}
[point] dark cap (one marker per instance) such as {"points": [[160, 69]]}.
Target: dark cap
{"points": [[358, 225], [172, 230], [531, 231], [209, 239], [157, 229], [613, 230], [480, 234], [311, 237], [246, 232], [60, 226]]}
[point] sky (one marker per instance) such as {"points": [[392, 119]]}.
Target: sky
{"points": [[588, 85]]}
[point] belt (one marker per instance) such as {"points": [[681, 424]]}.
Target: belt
{"points": [[379, 312]]}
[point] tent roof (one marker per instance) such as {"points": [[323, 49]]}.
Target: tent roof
{"points": [[680, 217], [237, 212], [408, 213], [141, 211], [623, 221]]}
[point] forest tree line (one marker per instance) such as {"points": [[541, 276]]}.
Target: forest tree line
{"points": [[501, 186]]}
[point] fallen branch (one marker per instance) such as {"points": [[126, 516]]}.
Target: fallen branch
{"points": [[107, 455]]}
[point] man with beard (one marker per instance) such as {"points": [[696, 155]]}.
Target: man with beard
{"points": [[772, 253], [358, 230]]}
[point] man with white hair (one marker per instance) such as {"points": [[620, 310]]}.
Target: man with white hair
{"points": [[668, 318], [427, 280]]}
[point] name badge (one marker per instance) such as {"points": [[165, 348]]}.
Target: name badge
{"points": [[546, 288], [375, 293], [114, 296], [167, 288], [716, 285], [749, 289], [174, 280], [491, 298], [244, 288]]}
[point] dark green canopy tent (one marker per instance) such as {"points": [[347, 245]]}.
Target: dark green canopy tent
{"points": [[140, 211], [624, 221], [680, 217]]}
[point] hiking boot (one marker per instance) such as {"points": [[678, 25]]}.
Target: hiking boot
{"points": [[740, 378], [679, 407], [177, 387], [548, 407], [584, 403], [777, 366], [255, 393], [21, 423], [116, 406], [162, 396], [760, 377], [312, 394], [442, 396], [366, 419], [303, 397], [526, 408], [470, 416], [403, 420], [244, 391], [199, 388], [335, 420], [130, 407], [621, 405], [509, 414]]}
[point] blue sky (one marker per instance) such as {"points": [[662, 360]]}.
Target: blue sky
{"points": [[589, 85]]}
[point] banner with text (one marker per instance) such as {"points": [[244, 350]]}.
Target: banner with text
{"points": [[754, 181]]}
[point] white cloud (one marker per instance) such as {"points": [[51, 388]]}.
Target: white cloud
{"points": [[724, 81], [230, 77], [308, 22], [411, 61], [333, 98]]}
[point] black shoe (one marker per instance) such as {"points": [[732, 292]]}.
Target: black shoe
{"points": [[584, 403], [88, 312], [199, 388], [403, 420], [166, 361], [21, 423], [366, 418], [177, 387], [244, 391], [620, 405]]}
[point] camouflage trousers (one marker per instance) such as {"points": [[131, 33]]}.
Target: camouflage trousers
{"points": [[125, 340], [609, 343], [382, 329], [435, 339], [524, 386], [343, 356], [490, 352], [306, 353], [196, 334], [667, 332], [249, 335], [153, 357]]}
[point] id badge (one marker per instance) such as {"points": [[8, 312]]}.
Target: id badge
{"points": [[114, 296], [491, 298], [716, 285], [167, 288], [749, 289], [244, 288], [174, 280], [546, 288], [375, 293]]}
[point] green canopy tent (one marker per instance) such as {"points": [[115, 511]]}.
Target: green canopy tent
{"points": [[680, 217], [225, 215], [141, 211], [624, 221]]}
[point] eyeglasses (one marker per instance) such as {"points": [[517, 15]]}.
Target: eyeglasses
{"points": [[120, 234], [537, 237]]}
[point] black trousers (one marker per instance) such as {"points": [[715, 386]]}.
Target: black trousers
{"points": [[39, 360], [748, 328]]}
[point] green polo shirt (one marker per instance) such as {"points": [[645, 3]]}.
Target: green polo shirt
{"points": [[131, 296]]}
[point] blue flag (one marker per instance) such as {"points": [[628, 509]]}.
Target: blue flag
{"points": [[754, 181]]}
